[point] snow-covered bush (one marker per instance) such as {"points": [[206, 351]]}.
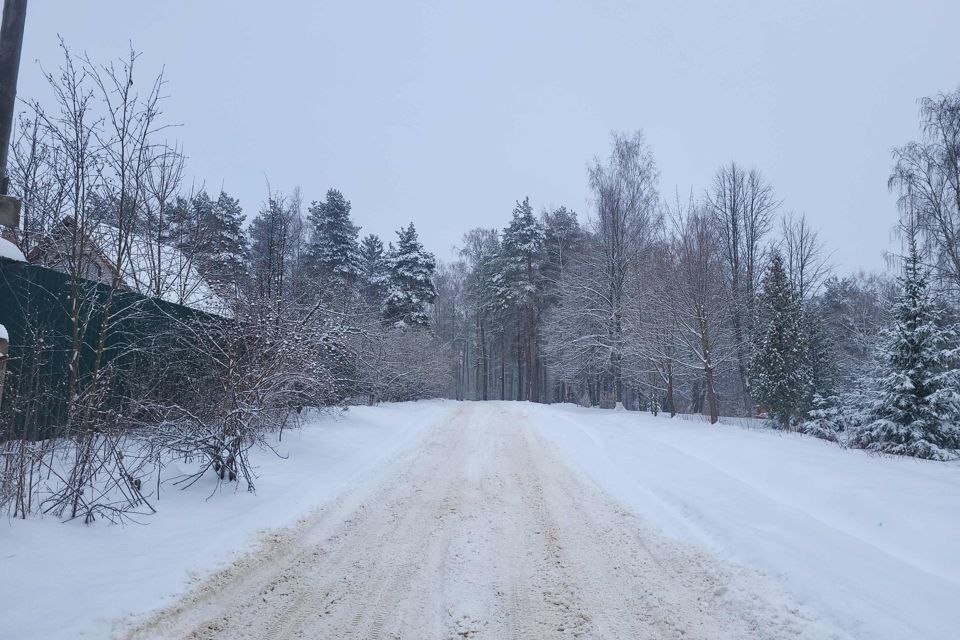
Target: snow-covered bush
{"points": [[396, 364], [828, 419]]}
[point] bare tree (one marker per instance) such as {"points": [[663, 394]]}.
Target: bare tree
{"points": [[927, 175], [126, 140], [34, 176], [702, 308], [76, 166], [655, 344], [742, 204], [804, 254], [625, 190], [164, 267]]}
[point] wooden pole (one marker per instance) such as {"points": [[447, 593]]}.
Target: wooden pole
{"points": [[11, 42]]}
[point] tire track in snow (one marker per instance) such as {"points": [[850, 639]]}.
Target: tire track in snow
{"points": [[480, 533]]}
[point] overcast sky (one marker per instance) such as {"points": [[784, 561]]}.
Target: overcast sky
{"points": [[447, 112]]}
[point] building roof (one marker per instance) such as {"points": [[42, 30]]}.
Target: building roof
{"points": [[145, 266]]}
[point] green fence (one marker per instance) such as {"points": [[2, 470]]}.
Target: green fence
{"points": [[53, 318]]}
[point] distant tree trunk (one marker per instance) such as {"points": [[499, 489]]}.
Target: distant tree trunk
{"points": [[616, 364], [484, 363], [711, 393], [520, 371], [465, 386], [708, 374], [740, 340], [503, 368], [533, 391]]}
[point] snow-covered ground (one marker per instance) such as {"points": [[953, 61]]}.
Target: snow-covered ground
{"points": [[872, 543], [483, 533], [493, 520], [69, 580]]}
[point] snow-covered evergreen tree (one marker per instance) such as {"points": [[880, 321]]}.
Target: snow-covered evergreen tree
{"points": [[374, 269], [210, 233], [519, 280], [521, 250], [199, 236], [827, 418], [779, 377], [410, 287], [915, 409], [228, 244], [333, 252]]}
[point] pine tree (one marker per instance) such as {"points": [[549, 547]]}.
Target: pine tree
{"points": [[916, 408], [201, 217], [521, 255], [191, 228], [779, 377], [333, 252], [410, 287], [521, 250], [228, 244], [374, 269]]}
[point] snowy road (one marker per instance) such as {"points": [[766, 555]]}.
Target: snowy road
{"points": [[479, 532]]}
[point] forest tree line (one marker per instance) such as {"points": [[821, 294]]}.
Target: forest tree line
{"points": [[720, 303]]}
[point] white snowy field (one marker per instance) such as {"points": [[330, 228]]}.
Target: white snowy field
{"points": [[514, 519], [871, 543]]}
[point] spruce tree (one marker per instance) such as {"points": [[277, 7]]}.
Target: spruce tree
{"points": [[826, 418], [333, 252], [227, 269], [410, 287], [915, 409], [779, 378], [374, 269]]}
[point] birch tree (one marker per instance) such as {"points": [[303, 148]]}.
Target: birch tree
{"points": [[625, 193]]}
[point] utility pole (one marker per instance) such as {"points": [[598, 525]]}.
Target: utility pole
{"points": [[11, 42]]}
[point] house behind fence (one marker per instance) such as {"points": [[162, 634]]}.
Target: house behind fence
{"points": [[55, 324]]}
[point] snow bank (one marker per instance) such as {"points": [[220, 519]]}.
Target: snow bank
{"points": [[10, 251], [872, 543], [88, 577]]}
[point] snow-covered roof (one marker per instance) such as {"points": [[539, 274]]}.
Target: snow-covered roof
{"points": [[158, 270], [10, 251]]}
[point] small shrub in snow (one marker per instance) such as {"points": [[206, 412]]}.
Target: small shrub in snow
{"points": [[827, 419]]}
